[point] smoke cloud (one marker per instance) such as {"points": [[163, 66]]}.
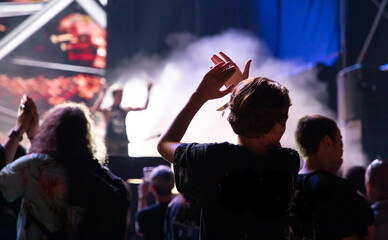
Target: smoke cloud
{"points": [[177, 76]]}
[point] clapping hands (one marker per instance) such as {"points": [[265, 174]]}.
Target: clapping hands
{"points": [[28, 117], [210, 86], [238, 76]]}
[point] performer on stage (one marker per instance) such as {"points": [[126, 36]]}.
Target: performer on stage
{"points": [[116, 138]]}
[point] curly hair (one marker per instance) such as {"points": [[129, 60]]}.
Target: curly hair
{"points": [[256, 104], [67, 135]]}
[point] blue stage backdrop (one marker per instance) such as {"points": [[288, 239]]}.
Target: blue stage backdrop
{"points": [[304, 29]]}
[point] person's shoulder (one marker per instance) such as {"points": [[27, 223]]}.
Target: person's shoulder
{"points": [[29, 161], [178, 200], [338, 182], [32, 158], [283, 158], [283, 153], [323, 180], [148, 211], [105, 109], [212, 148]]}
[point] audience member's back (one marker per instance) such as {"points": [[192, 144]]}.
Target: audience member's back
{"points": [[150, 219], [62, 152], [244, 189], [356, 175], [326, 206], [244, 194], [376, 181], [182, 219]]}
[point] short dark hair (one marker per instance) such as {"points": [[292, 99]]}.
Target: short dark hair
{"points": [[356, 174], [311, 130], [377, 175], [256, 104], [162, 178]]}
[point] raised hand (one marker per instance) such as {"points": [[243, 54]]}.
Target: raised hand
{"points": [[28, 118], [104, 85], [24, 116], [34, 125], [143, 189], [238, 76], [210, 86], [149, 86]]}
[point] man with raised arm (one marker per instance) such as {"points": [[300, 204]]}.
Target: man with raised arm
{"points": [[116, 138], [244, 190]]}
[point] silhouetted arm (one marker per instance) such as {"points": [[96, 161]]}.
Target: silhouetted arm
{"points": [[27, 122], [128, 109], [97, 104], [209, 88]]}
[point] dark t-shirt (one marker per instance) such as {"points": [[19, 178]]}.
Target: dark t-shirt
{"points": [[116, 134], [116, 129], [241, 196], [151, 221], [182, 219], [328, 207]]}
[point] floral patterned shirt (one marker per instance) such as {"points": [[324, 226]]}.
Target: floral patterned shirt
{"points": [[43, 184]]}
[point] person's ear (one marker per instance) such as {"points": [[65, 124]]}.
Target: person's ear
{"points": [[327, 141], [279, 129]]}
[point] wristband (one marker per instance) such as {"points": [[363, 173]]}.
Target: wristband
{"points": [[17, 134]]}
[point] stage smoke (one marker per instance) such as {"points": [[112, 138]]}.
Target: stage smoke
{"points": [[178, 75]]}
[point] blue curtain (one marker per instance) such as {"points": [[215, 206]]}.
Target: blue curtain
{"points": [[304, 29]]}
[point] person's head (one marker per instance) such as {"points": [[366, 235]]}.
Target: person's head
{"points": [[67, 134], [319, 135], [257, 105], [356, 174], [162, 180], [117, 93], [376, 180]]}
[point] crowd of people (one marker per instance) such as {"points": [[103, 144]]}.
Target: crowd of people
{"points": [[254, 189]]}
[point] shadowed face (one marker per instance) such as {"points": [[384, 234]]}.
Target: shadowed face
{"points": [[335, 154], [117, 97]]}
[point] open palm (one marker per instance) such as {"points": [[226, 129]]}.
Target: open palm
{"points": [[238, 76]]}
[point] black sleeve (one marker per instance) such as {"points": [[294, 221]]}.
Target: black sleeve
{"points": [[188, 167]]}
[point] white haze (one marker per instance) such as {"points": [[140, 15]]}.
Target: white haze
{"points": [[178, 75]]}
